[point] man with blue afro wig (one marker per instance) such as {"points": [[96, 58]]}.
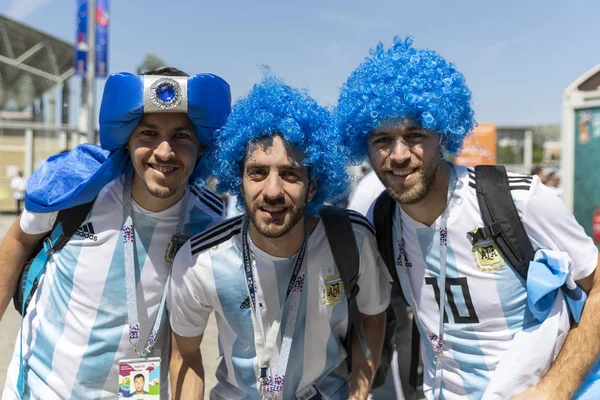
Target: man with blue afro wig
{"points": [[269, 275], [404, 82], [273, 108], [477, 241]]}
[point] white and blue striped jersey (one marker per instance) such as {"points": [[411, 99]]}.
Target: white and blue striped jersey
{"points": [[76, 329], [486, 301], [208, 275]]}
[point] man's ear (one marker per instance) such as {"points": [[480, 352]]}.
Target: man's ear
{"points": [[312, 191], [443, 143], [202, 149]]}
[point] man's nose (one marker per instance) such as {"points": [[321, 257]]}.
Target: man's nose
{"points": [[164, 150], [273, 188], [400, 151]]}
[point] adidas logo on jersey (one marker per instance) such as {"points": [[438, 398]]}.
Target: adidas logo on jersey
{"points": [[87, 231], [246, 304]]}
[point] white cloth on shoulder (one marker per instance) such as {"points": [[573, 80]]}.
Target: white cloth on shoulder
{"points": [[532, 350]]}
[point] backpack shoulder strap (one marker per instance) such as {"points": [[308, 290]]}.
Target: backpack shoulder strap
{"points": [[501, 218], [342, 242], [383, 219], [64, 227], [70, 219], [383, 216]]}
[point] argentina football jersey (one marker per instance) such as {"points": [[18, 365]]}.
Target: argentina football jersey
{"points": [[76, 329], [208, 276], [486, 310]]}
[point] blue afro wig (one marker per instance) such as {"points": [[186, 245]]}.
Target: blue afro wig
{"points": [[271, 108], [404, 82]]}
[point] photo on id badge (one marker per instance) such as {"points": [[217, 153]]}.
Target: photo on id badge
{"points": [[139, 379]]}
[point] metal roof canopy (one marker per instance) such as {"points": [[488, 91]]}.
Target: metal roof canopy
{"points": [[31, 63]]}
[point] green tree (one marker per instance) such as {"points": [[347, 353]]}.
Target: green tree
{"points": [[151, 62]]}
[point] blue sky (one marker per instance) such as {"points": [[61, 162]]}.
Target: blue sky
{"points": [[518, 56]]}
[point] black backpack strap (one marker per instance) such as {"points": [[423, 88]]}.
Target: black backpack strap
{"points": [[70, 219], [347, 258], [501, 218], [383, 218], [415, 353], [66, 224]]}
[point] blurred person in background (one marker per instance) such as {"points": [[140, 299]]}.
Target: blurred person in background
{"points": [[538, 171], [553, 181], [18, 184]]}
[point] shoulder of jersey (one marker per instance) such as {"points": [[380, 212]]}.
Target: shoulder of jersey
{"points": [[208, 198], [515, 181], [216, 235], [357, 219]]}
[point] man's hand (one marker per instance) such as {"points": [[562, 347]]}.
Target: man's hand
{"points": [[363, 369]]}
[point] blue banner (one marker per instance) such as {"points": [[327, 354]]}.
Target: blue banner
{"points": [[102, 21], [81, 42], [101, 16]]}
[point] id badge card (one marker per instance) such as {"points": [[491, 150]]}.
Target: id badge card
{"points": [[309, 393], [139, 379]]}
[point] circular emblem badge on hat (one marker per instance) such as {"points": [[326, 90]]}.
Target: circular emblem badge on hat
{"points": [[165, 93]]}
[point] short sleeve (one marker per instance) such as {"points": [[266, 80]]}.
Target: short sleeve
{"points": [[368, 189], [371, 213], [188, 309], [36, 223], [373, 281], [221, 217], [550, 225]]}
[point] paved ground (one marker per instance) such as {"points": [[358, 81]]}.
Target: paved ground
{"points": [[9, 327]]}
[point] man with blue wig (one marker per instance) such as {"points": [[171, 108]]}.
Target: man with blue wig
{"points": [[96, 318], [408, 108], [269, 275]]}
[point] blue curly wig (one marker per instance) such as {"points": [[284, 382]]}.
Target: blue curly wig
{"points": [[404, 82], [270, 108]]}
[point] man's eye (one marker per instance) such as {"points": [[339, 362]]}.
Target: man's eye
{"points": [[183, 135], [290, 175], [415, 135], [255, 174], [148, 132], [381, 140]]}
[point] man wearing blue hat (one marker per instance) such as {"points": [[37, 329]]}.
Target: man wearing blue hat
{"points": [[96, 318]]}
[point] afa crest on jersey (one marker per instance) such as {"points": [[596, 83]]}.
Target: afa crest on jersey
{"points": [[487, 256], [333, 290], [177, 241]]}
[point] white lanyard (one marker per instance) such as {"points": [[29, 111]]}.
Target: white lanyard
{"points": [[130, 287], [265, 344], [437, 340]]}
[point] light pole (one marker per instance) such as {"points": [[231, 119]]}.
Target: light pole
{"points": [[91, 70]]}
